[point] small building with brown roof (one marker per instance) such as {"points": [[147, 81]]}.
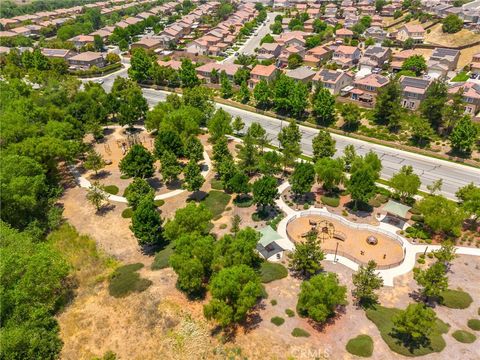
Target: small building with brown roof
{"points": [[64, 54], [302, 73], [346, 56], [471, 96], [147, 43], [366, 88], [416, 32], [333, 80], [87, 59], [262, 72], [413, 91], [343, 33], [82, 40]]}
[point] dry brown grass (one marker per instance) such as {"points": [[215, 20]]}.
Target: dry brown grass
{"points": [[438, 37]]}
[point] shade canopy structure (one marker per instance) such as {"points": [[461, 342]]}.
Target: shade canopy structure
{"points": [[268, 236], [396, 209]]}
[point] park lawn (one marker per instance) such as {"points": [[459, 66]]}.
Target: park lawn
{"points": [[362, 345], [272, 271], [126, 280], [460, 77], [111, 189], [382, 318], [464, 336], [456, 299], [161, 257], [216, 201]]}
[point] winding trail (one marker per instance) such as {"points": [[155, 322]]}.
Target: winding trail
{"points": [[388, 275]]}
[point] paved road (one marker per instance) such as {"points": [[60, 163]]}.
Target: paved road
{"points": [[254, 41], [429, 169]]}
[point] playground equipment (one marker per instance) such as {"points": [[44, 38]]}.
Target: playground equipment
{"points": [[372, 240], [324, 230]]}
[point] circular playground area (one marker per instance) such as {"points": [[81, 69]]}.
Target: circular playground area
{"points": [[360, 245]]}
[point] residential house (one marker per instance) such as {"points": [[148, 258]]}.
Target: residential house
{"points": [[343, 34], [346, 56], [399, 58], [475, 65], [287, 52], [415, 32], [317, 56], [204, 72], [147, 43], [262, 72], [376, 33], [292, 38], [269, 51], [366, 88], [375, 56], [9, 23], [86, 60], [389, 9], [471, 96], [64, 54], [413, 91], [7, 34], [174, 64], [332, 80], [302, 73], [82, 40], [442, 61]]}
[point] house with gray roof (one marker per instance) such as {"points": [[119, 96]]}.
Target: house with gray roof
{"points": [[332, 80], [413, 91], [442, 61], [302, 73], [375, 56]]}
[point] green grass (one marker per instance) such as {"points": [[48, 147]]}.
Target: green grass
{"points": [[272, 271], [330, 201], [273, 302], [297, 332], [382, 318], [127, 213], [216, 201], [290, 312], [274, 223], [124, 177], [474, 324], [159, 202], [456, 299], [161, 258], [126, 280], [362, 345], [111, 189], [216, 184], [277, 320], [461, 76], [464, 336]]}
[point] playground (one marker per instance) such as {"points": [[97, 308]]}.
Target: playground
{"points": [[360, 245]]}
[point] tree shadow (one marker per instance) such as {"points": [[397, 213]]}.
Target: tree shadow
{"points": [[174, 185], [102, 174], [155, 183], [321, 327], [105, 209], [253, 318], [107, 131], [406, 341], [362, 209], [197, 196]]}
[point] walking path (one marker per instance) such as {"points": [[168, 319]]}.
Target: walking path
{"points": [[388, 275], [85, 183]]}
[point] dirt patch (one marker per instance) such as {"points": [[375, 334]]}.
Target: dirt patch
{"points": [[438, 37]]}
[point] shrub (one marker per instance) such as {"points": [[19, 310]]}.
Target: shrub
{"points": [[124, 177], [418, 218], [290, 313], [474, 324], [223, 226], [243, 201], [464, 336], [362, 345], [273, 302], [374, 202], [126, 280], [455, 299], [277, 320], [162, 257], [276, 220], [272, 271], [127, 213], [421, 261], [111, 189], [330, 201], [159, 202], [297, 332]]}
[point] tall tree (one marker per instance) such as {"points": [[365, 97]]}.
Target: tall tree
{"points": [[238, 124], [168, 140], [469, 196], [270, 163], [262, 94], [330, 172], [320, 297], [265, 191], [366, 281], [323, 145], [302, 178], [170, 168], [140, 65], [453, 112], [193, 149], [259, 135], [96, 195], [414, 324], [94, 161], [415, 63], [248, 155], [225, 86], [289, 138], [323, 104], [219, 125], [464, 135], [146, 222], [387, 107], [193, 179], [441, 214], [435, 99], [406, 183], [352, 115], [188, 75], [138, 162], [361, 184], [349, 156], [190, 219], [306, 259], [136, 191]]}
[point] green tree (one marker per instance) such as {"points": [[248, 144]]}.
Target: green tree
{"points": [[244, 93], [330, 172], [262, 94], [235, 290], [361, 184], [324, 107], [306, 259], [320, 297], [270, 163], [267, 39], [441, 214], [323, 145], [319, 26], [406, 183], [446, 253], [294, 61], [421, 131], [469, 196], [387, 107], [464, 135], [289, 139], [435, 99], [146, 222], [140, 65], [366, 281], [349, 156], [453, 112], [98, 43], [248, 155], [414, 324], [452, 24], [225, 86], [265, 191], [188, 75], [168, 140], [201, 98], [191, 218], [136, 191], [131, 106], [193, 149], [96, 195], [170, 168], [221, 152], [94, 161], [219, 125], [239, 183], [138, 162], [415, 63], [241, 76], [302, 178], [238, 124], [193, 179], [259, 135], [351, 115]]}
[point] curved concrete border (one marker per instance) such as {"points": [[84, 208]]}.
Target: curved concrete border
{"points": [[388, 275], [85, 183]]}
